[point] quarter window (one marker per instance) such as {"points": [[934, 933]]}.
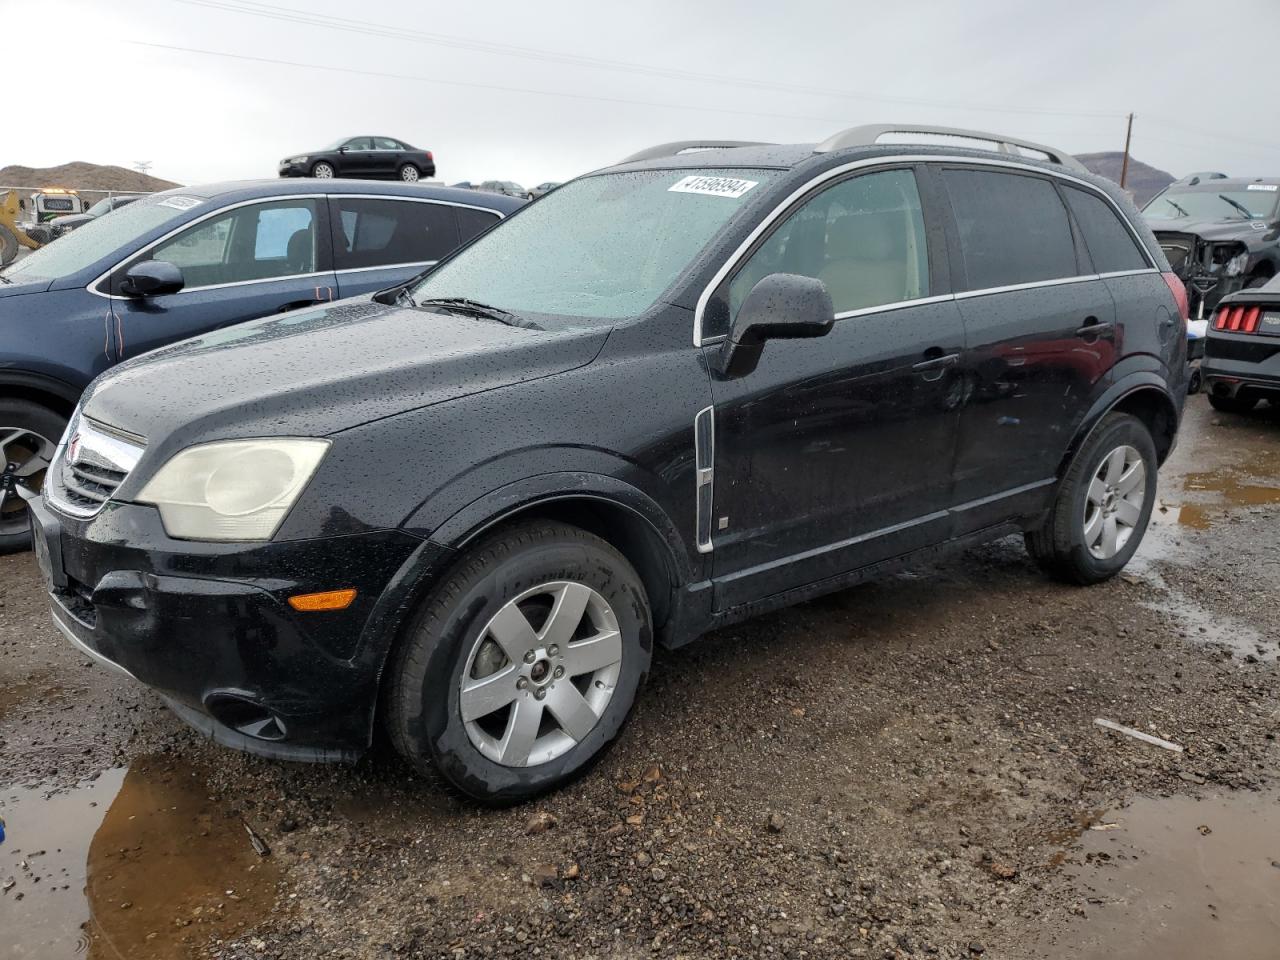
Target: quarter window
{"points": [[472, 222], [1111, 245], [864, 238], [257, 242], [1013, 229], [374, 233]]}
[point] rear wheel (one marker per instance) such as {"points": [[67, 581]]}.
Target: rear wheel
{"points": [[1102, 506], [409, 173], [1232, 404], [28, 437], [519, 669], [323, 170]]}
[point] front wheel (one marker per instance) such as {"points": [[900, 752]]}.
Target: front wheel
{"points": [[519, 669], [323, 171], [409, 173], [28, 437], [1102, 506]]}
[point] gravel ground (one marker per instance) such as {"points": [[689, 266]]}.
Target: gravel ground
{"points": [[909, 768]]}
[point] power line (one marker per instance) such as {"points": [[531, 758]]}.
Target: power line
{"points": [[254, 8]]}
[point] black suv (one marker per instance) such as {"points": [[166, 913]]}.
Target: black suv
{"points": [[1220, 234], [669, 395]]}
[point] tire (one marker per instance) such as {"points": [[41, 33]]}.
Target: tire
{"points": [[1232, 404], [409, 173], [323, 170], [451, 639], [1068, 546], [29, 434], [1194, 382], [8, 246]]}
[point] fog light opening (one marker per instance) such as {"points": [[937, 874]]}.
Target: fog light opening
{"points": [[246, 717]]}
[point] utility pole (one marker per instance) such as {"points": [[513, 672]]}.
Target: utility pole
{"points": [[142, 166], [1124, 167]]}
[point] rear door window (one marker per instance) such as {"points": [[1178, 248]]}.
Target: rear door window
{"points": [[1013, 228], [1111, 245], [375, 232]]}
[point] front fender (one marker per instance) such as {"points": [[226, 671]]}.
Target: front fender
{"points": [[497, 505]]}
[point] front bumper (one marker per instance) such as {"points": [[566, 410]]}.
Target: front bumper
{"points": [[208, 625], [292, 170]]}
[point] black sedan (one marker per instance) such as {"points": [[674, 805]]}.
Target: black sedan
{"points": [[364, 158]]}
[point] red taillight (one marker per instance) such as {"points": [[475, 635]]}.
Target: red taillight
{"points": [[1220, 321], [431, 156], [1179, 291], [1233, 321], [1251, 316]]}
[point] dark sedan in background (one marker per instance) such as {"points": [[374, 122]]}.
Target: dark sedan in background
{"points": [[365, 158]]}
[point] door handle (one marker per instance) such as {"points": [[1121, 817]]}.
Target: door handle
{"points": [[935, 363], [1093, 328]]}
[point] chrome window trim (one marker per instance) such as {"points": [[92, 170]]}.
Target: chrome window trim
{"points": [[90, 287], [1032, 285], [387, 266], [735, 258], [884, 308], [1126, 273]]}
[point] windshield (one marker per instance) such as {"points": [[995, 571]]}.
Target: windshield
{"points": [[605, 246], [1256, 202], [80, 248]]}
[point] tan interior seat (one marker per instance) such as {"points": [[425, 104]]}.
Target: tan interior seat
{"points": [[866, 260]]}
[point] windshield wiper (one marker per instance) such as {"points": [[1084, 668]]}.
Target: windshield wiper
{"points": [[1177, 206], [1248, 215], [478, 309]]}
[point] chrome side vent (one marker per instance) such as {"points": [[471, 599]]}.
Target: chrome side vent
{"points": [[89, 466], [704, 454]]}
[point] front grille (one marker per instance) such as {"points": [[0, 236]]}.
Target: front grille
{"points": [[89, 467]]}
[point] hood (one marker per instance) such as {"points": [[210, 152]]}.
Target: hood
{"points": [[1212, 230], [70, 218], [316, 372], [17, 288]]}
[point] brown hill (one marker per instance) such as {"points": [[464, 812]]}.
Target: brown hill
{"points": [[1143, 181], [83, 176]]}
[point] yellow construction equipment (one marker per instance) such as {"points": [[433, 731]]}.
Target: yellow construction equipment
{"points": [[11, 234]]}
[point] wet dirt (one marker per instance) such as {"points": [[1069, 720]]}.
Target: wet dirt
{"points": [[1179, 878], [906, 769], [139, 864]]}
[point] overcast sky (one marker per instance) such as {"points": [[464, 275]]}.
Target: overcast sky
{"points": [[544, 91]]}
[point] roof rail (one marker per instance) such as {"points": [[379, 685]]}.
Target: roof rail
{"points": [[870, 134], [680, 146]]}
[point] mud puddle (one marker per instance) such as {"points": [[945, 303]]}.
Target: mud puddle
{"points": [[1179, 879], [40, 686], [136, 864]]}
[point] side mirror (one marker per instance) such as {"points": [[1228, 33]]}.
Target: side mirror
{"points": [[342, 149], [152, 278], [782, 306]]}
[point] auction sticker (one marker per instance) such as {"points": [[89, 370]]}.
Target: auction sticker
{"points": [[729, 187], [1268, 187], [180, 203]]}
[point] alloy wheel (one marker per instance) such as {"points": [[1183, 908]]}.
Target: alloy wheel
{"points": [[540, 674], [409, 173], [24, 459], [322, 171], [1113, 504]]}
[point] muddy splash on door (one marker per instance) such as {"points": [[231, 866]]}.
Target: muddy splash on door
{"points": [[138, 864]]}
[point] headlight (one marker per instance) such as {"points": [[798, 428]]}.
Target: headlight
{"points": [[232, 489], [296, 160], [1236, 265]]}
